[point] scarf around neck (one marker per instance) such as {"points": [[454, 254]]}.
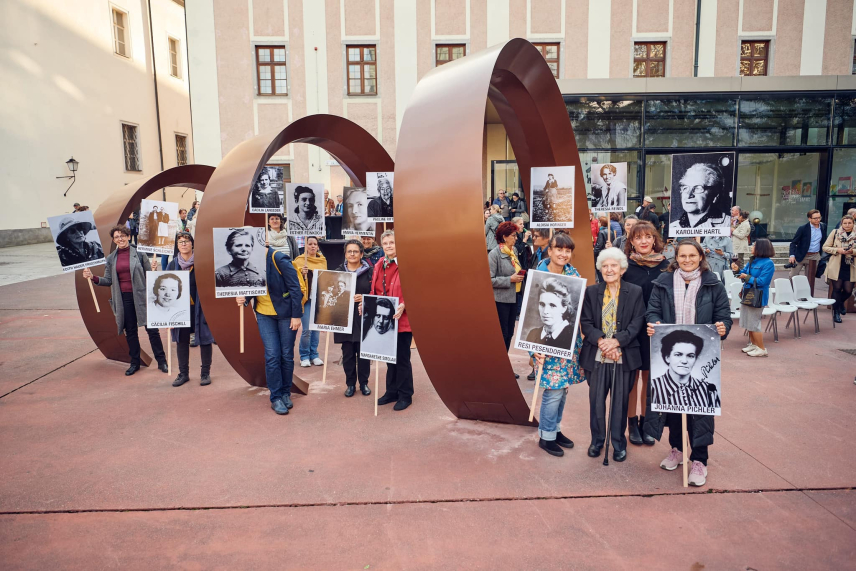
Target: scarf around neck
{"points": [[847, 241], [182, 264], [685, 295], [517, 267], [650, 260]]}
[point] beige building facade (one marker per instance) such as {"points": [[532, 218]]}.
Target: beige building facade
{"points": [[79, 81]]}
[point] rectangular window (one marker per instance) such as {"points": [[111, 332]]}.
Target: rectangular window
{"points": [[784, 120], [601, 123], [853, 70], [362, 70], [649, 59], [690, 122], [180, 149], [753, 57], [132, 148], [444, 53], [173, 58], [120, 33], [271, 70], [551, 54]]}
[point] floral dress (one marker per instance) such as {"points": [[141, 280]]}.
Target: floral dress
{"points": [[560, 373]]}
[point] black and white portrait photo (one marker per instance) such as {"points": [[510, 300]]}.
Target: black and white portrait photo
{"points": [[239, 256], [167, 299], [379, 331], [266, 196], [685, 369], [355, 213], [702, 186], [609, 187], [332, 301], [550, 315], [158, 226], [551, 197], [304, 209], [379, 189], [76, 240]]}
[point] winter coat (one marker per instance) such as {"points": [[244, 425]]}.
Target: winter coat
{"points": [[140, 264], [740, 237], [387, 281], [501, 270], [490, 226], [629, 321], [711, 306], [364, 285], [373, 254], [833, 266], [200, 324]]}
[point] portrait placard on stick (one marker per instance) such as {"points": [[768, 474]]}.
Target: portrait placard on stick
{"points": [[551, 197], [76, 241], [355, 212], [609, 187], [158, 226], [379, 189], [266, 196], [239, 256], [685, 369], [332, 301], [550, 315], [304, 209], [167, 299], [702, 187], [379, 333]]}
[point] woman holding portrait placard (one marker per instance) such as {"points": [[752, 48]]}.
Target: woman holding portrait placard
{"points": [[687, 292], [355, 368]]}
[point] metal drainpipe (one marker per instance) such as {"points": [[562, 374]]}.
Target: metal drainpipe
{"points": [[697, 29], [157, 99]]}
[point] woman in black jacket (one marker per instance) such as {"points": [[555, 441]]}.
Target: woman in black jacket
{"points": [[711, 307], [355, 368], [613, 315], [645, 262]]}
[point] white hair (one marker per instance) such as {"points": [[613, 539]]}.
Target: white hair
{"points": [[612, 254], [517, 219]]}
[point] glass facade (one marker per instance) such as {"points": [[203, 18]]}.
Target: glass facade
{"points": [[795, 151]]}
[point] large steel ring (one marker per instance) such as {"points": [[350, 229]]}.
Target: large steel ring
{"points": [[439, 168], [112, 212], [225, 206]]}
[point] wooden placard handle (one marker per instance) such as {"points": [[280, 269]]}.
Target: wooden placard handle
{"points": [[376, 377], [326, 351], [94, 299], [169, 350], [685, 442], [535, 392], [241, 320]]}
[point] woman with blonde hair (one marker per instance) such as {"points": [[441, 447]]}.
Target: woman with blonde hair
{"points": [[841, 267]]}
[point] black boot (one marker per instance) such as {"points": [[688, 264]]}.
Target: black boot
{"points": [[646, 439], [836, 316], [205, 380], [180, 379], [350, 390], [633, 431], [132, 369], [531, 376]]}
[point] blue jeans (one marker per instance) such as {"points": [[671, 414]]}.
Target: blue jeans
{"points": [[552, 407], [278, 339], [164, 260], [308, 339]]}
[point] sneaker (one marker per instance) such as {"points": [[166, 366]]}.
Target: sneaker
{"points": [[758, 352], [317, 362], [749, 348], [305, 363], [551, 447], [698, 474], [675, 459]]}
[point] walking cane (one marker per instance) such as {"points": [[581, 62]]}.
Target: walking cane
{"points": [[609, 416]]}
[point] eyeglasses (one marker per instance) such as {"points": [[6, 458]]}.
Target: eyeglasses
{"points": [[184, 243]]}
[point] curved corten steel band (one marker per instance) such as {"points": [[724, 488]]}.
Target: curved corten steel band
{"points": [[114, 211], [439, 161], [225, 206]]}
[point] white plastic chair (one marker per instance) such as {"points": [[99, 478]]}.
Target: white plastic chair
{"points": [[733, 290], [773, 310], [785, 297], [802, 292], [728, 278], [717, 276]]}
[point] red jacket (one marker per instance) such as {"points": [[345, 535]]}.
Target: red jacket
{"points": [[393, 288], [595, 227]]}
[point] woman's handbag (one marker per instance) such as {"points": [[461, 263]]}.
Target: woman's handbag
{"points": [[753, 296]]}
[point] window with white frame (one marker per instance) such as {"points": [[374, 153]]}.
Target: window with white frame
{"points": [[131, 142], [174, 67], [180, 149], [120, 32]]}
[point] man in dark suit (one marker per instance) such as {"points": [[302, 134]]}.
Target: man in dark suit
{"points": [[805, 247]]}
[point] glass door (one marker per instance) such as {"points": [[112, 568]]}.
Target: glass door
{"points": [[504, 175]]}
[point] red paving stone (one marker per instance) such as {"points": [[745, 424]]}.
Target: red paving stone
{"points": [[84, 437]]}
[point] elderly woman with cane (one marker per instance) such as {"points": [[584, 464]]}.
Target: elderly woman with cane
{"points": [[612, 317], [687, 293], [557, 374]]}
